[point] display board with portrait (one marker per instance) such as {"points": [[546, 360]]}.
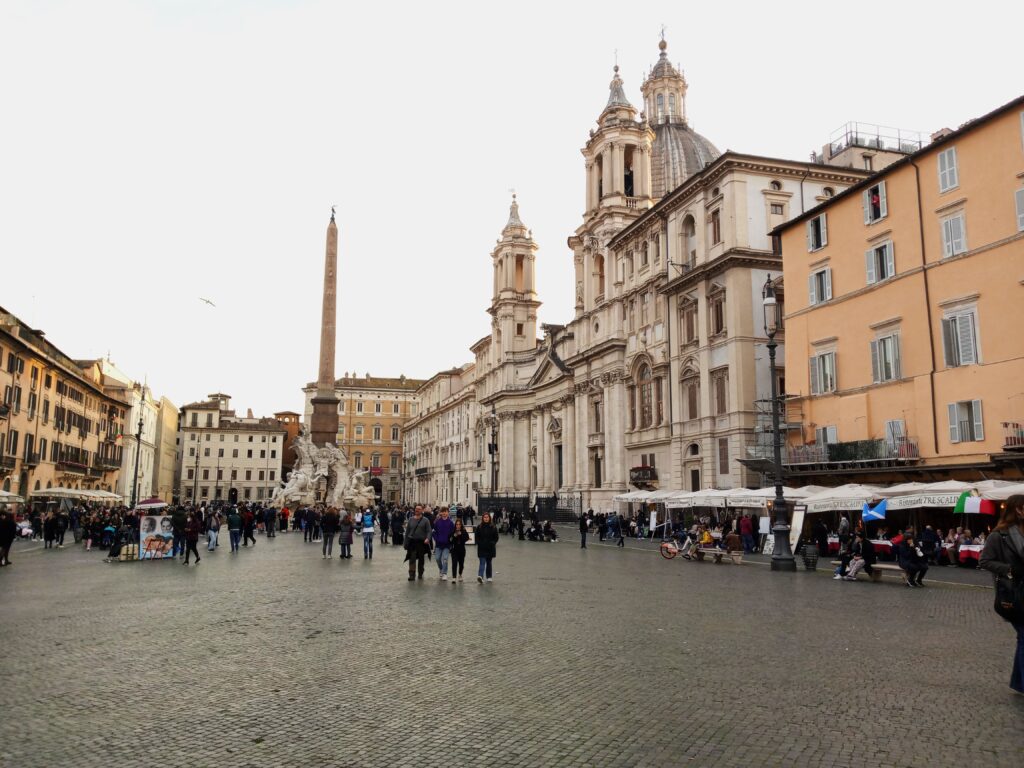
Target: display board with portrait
{"points": [[156, 538]]}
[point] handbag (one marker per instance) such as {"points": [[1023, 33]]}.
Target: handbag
{"points": [[1009, 600]]}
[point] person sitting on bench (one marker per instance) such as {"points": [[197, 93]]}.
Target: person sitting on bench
{"points": [[862, 557], [732, 542], [535, 533]]}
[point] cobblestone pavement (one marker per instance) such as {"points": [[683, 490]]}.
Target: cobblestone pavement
{"points": [[603, 657]]}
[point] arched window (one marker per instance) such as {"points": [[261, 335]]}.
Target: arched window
{"points": [[661, 104], [646, 386], [671, 103], [689, 238], [599, 275], [776, 185]]}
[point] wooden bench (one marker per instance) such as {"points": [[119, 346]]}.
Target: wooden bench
{"points": [[878, 570], [735, 555]]}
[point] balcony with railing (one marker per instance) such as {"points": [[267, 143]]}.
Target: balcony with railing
{"points": [[7, 462], [106, 463], [902, 450], [72, 467], [32, 460], [1013, 436]]}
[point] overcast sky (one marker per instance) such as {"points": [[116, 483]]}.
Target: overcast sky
{"points": [[159, 152]]}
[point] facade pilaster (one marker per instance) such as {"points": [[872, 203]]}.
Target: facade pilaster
{"points": [[569, 444], [582, 454]]}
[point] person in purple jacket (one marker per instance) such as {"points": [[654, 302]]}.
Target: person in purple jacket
{"points": [[444, 527]]}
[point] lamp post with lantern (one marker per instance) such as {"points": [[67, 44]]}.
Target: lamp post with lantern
{"points": [[782, 554]]}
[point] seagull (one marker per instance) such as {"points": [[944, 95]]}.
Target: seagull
{"points": [[207, 301]]}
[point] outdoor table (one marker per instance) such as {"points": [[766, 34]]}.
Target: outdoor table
{"points": [[969, 552], [833, 545], [882, 547]]}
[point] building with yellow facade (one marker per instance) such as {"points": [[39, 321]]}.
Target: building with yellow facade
{"points": [[372, 411], [58, 427], [904, 304]]}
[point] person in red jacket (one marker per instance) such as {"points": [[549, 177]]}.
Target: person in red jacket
{"points": [[747, 533]]}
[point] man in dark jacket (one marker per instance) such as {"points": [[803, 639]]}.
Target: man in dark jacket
{"points": [[178, 519], [417, 542], [912, 561], [583, 531], [8, 533]]}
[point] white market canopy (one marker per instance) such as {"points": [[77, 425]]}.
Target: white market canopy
{"points": [[6, 497], [75, 493], [1001, 492], [846, 498]]}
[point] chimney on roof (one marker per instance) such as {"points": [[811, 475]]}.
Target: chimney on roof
{"points": [[248, 413], [941, 134]]}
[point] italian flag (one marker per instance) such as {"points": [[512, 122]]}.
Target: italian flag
{"points": [[971, 504]]}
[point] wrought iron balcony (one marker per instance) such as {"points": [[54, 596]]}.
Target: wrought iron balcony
{"points": [[901, 450], [106, 464], [7, 462], [32, 460], [73, 467], [1013, 436]]}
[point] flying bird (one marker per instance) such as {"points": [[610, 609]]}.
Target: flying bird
{"points": [[207, 301]]}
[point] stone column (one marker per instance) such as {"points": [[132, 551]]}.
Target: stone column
{"points": [[616, 168], [324, 419], [617, 433], [606, 169], [569, 445], [542, 448], [582, 439]]}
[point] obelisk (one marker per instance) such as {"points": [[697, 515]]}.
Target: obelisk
{"points": [[324, 423]]}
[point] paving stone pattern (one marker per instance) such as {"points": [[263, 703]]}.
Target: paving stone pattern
{"points": [[603, 657]]}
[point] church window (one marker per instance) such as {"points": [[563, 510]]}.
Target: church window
{"points": [[519, 329], [599, 275], [661, 104], [716, 227], [646, 387], [691, 394], [520, 276], [671, 103], [659, 403], [629, 158], [645, 254], [688, 320], [716, 311], [720, 386]]}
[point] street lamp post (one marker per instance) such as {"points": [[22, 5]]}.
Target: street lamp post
{"points": [[782, 554], [138, 450]]}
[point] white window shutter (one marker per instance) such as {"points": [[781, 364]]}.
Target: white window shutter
{"points": [[966, 339], [979, 422], [949, 342], [882, 205], [896, 373], [824, 230], [958, 234], [890, 261], [828, 284], [865, 202], [954, 425], [1019, 195], [811, 297], [810, 235], [947, 238], [943, 172], [869, 265], [952, 172], [832, 434], [815, 379], [875, 363], [830, 368]]}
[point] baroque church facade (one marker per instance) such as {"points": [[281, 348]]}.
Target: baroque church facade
{"points": [[655, 380]]}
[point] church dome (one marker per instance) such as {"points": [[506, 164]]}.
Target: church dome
{"points": [[677, 153]]}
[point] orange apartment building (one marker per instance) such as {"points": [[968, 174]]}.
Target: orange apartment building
{"points": [[904, 316]]}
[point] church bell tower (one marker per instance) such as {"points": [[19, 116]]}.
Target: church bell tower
{"points": [[514, 303]]}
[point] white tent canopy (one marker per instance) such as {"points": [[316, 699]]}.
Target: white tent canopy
{"points": [[6, 497], [1003, 492], [848, 498]]}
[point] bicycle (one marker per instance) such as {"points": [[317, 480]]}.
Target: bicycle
{"points": [[676, 545]]}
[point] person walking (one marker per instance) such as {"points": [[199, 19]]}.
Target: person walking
{"points": [[49, 530], [460, 537], [192, 528], [583, 531], [385, 525], [212, 530], [1003, 555], [62, 527], [486, 536], [234, 528], [417, 542], [248, 527], [444, 527], [367, 534], [270, 522], [747, 533], [329, 526], [178, 519], [345, 528], [8, 533]]}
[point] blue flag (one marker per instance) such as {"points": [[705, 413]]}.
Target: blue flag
{"points": [[878, 513]]}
